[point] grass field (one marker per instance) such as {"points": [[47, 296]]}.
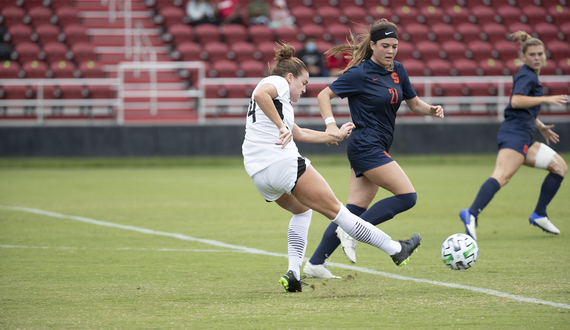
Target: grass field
{"points": [[188, 243]]}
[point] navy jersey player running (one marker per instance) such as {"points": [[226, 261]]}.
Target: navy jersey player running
{"points": [[375, 85], [282, 176], [516, 146]]}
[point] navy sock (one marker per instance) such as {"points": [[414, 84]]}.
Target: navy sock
{"points": [[330, 241], [484, 196], [387, 208], [549, 188]]}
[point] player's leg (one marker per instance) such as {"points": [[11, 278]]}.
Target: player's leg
{"points": [[507, 164], [541, 156], [313, 191]]}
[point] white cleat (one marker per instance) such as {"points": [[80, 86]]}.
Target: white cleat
{"points": [[469, 221], [543, 223], [348, 244], [318, 271]]}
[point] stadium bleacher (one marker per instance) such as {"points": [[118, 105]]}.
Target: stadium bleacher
{"points": [[77, 39]]}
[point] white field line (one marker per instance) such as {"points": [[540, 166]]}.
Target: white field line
{"points": [[237, 248]]}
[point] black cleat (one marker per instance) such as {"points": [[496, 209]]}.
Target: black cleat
{"points": [[408, 247], [290, 283]]}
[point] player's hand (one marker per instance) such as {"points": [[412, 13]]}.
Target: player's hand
{"points": [[341, 133], [436, 111], [557, 99], [333, 131], [285, 136], [549, 135]]}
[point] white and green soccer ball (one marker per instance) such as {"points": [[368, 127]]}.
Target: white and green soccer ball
{"points": [[459, 251]]}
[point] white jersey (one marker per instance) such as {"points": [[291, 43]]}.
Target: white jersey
{"points": [[259, 149]]}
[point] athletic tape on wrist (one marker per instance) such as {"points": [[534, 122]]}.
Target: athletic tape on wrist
{"points": [[329, 120]]}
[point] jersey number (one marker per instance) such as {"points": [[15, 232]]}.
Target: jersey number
{"points": [[251, 110], [394, 93]]}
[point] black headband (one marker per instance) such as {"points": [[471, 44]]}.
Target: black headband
{"points": [[383, 34]]}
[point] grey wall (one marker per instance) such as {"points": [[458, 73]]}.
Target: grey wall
{"points": [[106, 141]]}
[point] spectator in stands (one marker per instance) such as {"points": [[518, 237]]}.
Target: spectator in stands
{"points": [[312, 58], [375, 85], [516, 144], [228, 12], [258, 13], [201, 12], [280, 15]]}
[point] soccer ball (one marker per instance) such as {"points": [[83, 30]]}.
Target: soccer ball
{"points": [[459, 251]]}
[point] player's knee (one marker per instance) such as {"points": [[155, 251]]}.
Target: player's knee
{"points": [[408, 200], [558, 166]]}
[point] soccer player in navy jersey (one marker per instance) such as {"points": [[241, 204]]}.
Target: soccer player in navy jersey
{"points": [[375, 85], [516, 145]]}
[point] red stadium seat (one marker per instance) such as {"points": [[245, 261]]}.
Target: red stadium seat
{"points": [[495, 32], [414, 67], [406, 50], [40, 15], [560, 14], [19, 33], [479, 50], [556, 88], [480, 89], [216, 51], [534, 14], [564, 66], [9, 70], [72, 92], [252, 68], [83, 51], [234, 33], [33, 3], [60, 3], [439, 67], [101, 92], [465, 67], [505, 50], [483, 14], [417, 32], [323, 46], [67, 16], [207, 33], [407, 14], [509, 14], [454, 50], [329, 15], [558, 49], [35, 69], [260, 33], [313, 90], [313, 30], [75, 33], [432, 14], [429, 50], [172, 15], [48, 92], [12, 15], [287, 34], [376, 12], [513, 65], [457, 14], [546, 31], [63, 69], [493, 67], [451, 89], [27, 51], [520, 27], [189, 51], [180, 33], [469, 32], [354, 16], [443, 32], [337, 33], [267, 51], [241, 51], [91, 69], [47, 33], [55, 52], [236, 91], [303, 15], [14, 92], [224, 69], [549, 68]]}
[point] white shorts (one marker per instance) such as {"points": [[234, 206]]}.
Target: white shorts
{"points": [[280, 178]]}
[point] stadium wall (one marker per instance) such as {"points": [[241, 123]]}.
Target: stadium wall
{"points": [[225, 140]]}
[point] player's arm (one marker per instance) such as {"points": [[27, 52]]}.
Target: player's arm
{"points": [[311, 136], [421, 108], [264, 98], [546, 131], [520, 101]]}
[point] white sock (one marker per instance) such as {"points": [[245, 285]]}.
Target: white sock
{"points": [[297, 240], [365, 232]]}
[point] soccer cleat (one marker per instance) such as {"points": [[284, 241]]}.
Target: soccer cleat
{"points": [[408, 247], [543, 223], [291, 283], [469, 221], [318, 271], [348, 244]]}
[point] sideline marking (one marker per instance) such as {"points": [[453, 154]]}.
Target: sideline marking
{"points": [[262, 252]]}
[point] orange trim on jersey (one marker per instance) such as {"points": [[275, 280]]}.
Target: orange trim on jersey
{"points": [[525, 149], [387, 154]]}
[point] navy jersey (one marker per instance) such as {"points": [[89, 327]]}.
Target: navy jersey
{"points": [[525, 82], [374, 96]]}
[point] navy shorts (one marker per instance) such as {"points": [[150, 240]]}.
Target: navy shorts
{"points": [[369, 160], [514, 140]]}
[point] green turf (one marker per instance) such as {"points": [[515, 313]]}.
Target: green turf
{"points": [[65, 274]]}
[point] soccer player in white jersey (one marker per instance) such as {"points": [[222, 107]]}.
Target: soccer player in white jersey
{"points": [[283, 176]]}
